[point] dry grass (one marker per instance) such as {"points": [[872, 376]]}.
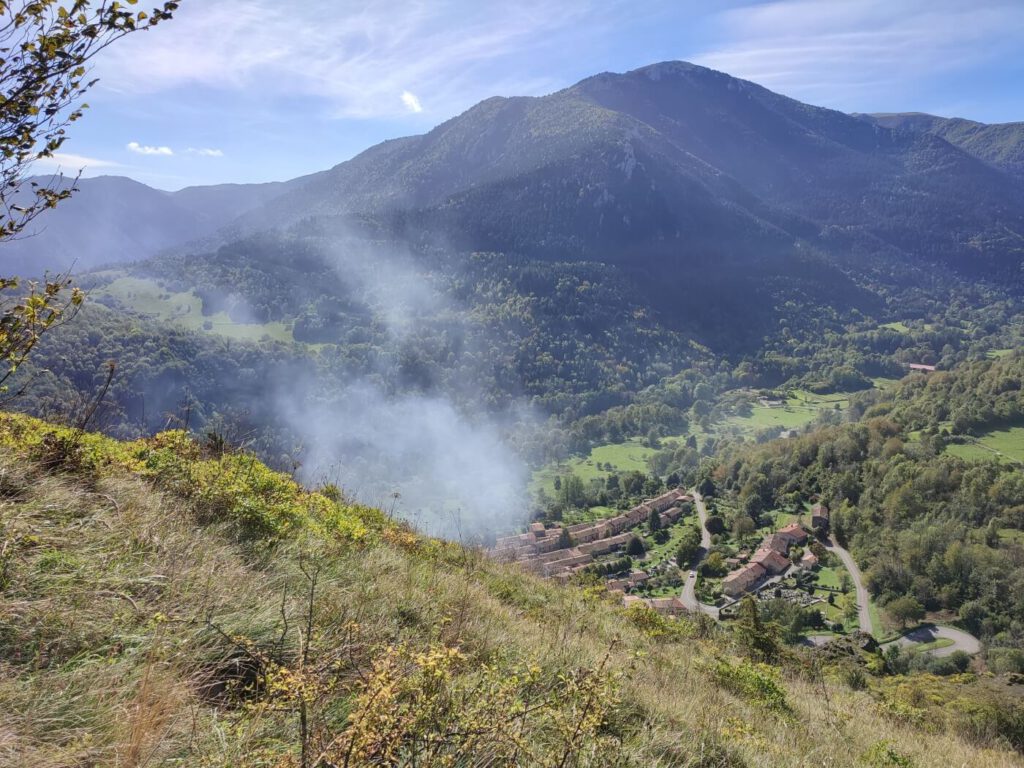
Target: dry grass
{"points": [[128, 632]]}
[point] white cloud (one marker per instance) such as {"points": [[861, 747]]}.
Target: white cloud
{"points": [[844, 52], [205, 152], [142, 149], [355, 57], [412, 103]]}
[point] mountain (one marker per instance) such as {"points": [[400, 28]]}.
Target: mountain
{"points": [[113, 219], [674, 166], [1000, 144], [663, 170]]}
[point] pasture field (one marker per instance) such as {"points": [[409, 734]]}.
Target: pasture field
{"points": [[623, 457], [1001, 444], [185, 309]]}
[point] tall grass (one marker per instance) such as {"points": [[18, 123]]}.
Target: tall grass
{"points": [[138, 629]]}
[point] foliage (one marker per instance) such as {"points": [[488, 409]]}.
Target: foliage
{"points": [[756, 681], [228, 487], [924, 524], [46, 46]]}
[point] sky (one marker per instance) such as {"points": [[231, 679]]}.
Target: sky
{"points": [[264, 90]]}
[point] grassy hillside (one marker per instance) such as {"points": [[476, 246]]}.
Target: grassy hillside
{"points": [[165, 603]]}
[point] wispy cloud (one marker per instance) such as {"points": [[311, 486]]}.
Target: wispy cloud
{"points": [[71, 163], [840, 52], [412, 103], [143, 149], [205, 151], [355, 57]]}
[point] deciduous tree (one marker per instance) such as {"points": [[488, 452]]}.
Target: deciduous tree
{"points": [[45, 50]]}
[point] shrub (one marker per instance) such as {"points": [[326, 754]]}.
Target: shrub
{"points": [[756, 682], [882, 754]]}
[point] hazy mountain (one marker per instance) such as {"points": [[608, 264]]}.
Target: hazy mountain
{"points": [[665, 169], [1001, 144], [671, 165], [113, 219]]}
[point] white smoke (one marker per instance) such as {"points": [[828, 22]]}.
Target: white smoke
{"points": [[447, 468]]}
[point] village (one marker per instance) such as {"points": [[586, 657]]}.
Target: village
{"points": [[782, 566]]}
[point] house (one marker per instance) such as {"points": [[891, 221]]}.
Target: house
{"points": [[604, 546], [634, 579], [820, 516], [809, 560], [666, 500], [537, 529], [743, 580], [771, 561], [921, 368], [777, 542], [794, 532], [667, 606]]}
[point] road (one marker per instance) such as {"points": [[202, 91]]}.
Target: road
{"points": [[962, 641], [689, 596], [863, 613]]}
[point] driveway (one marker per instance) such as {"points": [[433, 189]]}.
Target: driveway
{"points": [[962, 641], [863, 614]]}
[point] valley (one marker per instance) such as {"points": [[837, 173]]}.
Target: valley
{"points": [[656, 418]]}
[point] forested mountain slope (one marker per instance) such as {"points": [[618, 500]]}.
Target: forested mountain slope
{"points": [[667, 165], [1000, 144]]}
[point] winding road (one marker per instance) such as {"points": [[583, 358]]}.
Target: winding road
{"points": [[928, 633], [689, 596], [962, 641], [863, 612]]}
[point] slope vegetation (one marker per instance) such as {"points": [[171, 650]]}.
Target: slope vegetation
{"points": [[166, 603]]}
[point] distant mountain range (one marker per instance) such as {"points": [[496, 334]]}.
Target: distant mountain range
{"points": [[667, 168], [113, 219]]}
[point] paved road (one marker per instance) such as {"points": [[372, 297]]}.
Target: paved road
{"points": [[962, 641], [863, 614], [689, 596]]}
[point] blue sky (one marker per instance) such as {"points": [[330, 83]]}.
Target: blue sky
{"points": [[261, 90]]}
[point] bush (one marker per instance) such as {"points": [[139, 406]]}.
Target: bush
{"points": [[884, 755], [759, 683]]}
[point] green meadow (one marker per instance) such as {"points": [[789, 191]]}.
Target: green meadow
{"points": [[184, 309], [1000, 444]]}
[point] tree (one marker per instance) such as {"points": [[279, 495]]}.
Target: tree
{"points": [[45, 50], [848, 604], [689, 546], [714, 566], [653, 521], [757, 638], [743, 526], [635, 547], [715, 525], [905, 610]]}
